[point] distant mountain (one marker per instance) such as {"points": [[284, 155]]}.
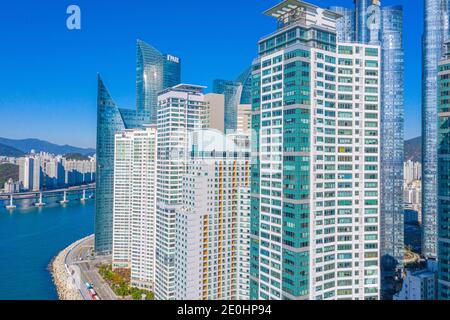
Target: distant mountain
{"points": [[413, 149], [26, 145], [7, 151]]}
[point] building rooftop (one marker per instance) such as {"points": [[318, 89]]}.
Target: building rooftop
{"points": [[291, 12], [288, 6], [184, 87]]}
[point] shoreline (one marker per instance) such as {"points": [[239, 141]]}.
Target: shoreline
{"points": [[61, 277]]}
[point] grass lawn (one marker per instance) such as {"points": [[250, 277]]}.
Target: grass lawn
{"points": [[119, 280]]}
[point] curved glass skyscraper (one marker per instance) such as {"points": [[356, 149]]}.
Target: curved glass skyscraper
{"points": [[345, 26], [236, 93], [392, 133], [435, 35], [110, 120], [155, 72]]}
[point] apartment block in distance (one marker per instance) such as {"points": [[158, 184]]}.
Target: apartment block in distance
{"points": [[315, 188]]}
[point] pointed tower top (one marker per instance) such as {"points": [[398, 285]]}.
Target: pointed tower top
{"points": [[103, 95], [146, 49]]}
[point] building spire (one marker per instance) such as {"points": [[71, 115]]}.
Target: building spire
{"points": [[103, 95]]}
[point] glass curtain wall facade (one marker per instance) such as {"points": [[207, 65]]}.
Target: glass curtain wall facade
{"points": [[232, 91], [444, 178], [345, 26], [435, 35], [361, 18], [110, 120], [392, 142], [236, 93], [155, 72]]}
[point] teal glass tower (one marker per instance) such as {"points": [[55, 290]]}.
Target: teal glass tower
{"points": [[315, 186], [236, 93], [155, 72], [444, 177], [436, 33]]}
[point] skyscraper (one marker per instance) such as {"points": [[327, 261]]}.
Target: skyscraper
{"points": [[345, 26], [110, 120], [26, 167], [236, 93], [154, 73], [182, 109], [392, 133], [444, 177], [134, 219], [384, 26], [212, 224], [315, 207], [436, 30]]}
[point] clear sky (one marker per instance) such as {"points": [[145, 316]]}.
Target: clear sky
{"points": [[48, 73]]}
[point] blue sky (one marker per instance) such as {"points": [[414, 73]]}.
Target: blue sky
{"points": [[48, 73]]}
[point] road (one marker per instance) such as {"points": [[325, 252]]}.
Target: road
{"points": [[82, 263]]}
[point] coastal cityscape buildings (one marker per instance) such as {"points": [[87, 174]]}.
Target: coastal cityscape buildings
{"points": [[79, 171], [315, 216], [369, 22], [412, 189], [11, 186], [212, 238], [155, 72], [413, 171], [413, 197], [181, 109], [45, 171], [291, 182], [26, 176], [135, 204]]}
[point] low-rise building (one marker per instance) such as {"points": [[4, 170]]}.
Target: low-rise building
{"points": [[421, 284]]}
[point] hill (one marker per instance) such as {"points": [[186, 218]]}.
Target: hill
{"points": [[7, 151], [8, 171], [26, 145], [413, 149], [76, 156]]}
